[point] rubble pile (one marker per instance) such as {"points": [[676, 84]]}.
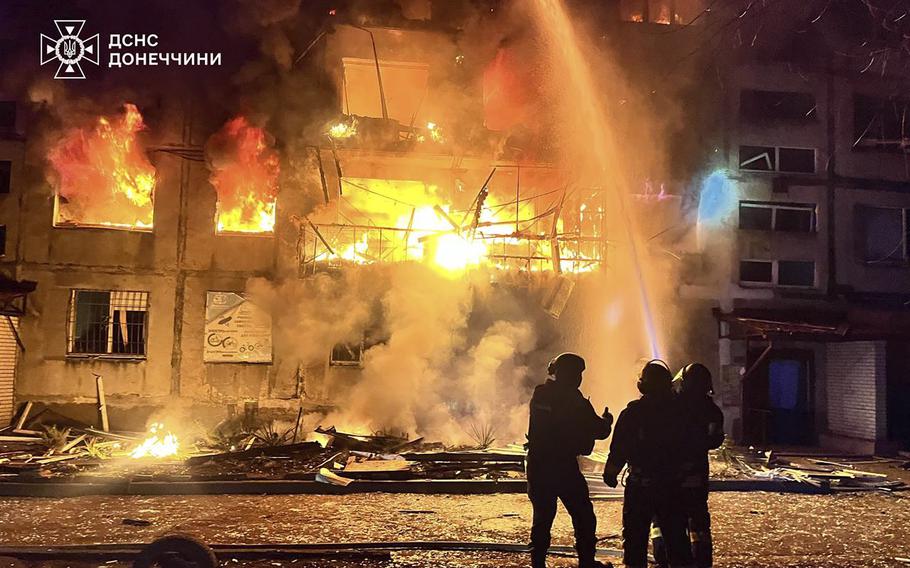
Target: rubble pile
{"points": [[824, 472]]}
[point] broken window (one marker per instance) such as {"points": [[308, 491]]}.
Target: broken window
{"points": [[775, 159], [107, 322], [6, 168], [347, 355], [681, 12], [404, 85], [883, 234], [880, 123], [102, 176], [760, 106], [767, 216], [796, 160]]}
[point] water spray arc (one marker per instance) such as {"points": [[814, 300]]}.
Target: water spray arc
{"points": [[564, 44]]}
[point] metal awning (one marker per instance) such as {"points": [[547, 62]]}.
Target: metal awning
{"points": [[852, 324], [13, 294]]}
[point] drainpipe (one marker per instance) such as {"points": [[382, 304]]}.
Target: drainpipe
{"points": [[831, 185], [385, 109]]}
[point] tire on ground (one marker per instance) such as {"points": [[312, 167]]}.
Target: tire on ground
{"points": [[176, 551]]}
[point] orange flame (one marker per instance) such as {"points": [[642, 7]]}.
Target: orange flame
{"points": [[102, 176], [245, 171], [418, 223]]}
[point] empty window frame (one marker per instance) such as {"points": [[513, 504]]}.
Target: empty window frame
{"points": [[777, 159], [404, 85], [771, 216], [784, 273], [679, 12], [346, 355], [760, 106], [108, 323], [881, 123], [7, 116], [883, 234], [6, 170]]}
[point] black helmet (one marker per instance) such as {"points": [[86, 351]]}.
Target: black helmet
{"points": [[568, 363], [655, 377], [696, 379]]}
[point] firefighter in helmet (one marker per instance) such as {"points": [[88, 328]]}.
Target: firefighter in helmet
{"points": [[562, 426], [647, 438], [704, 423]]}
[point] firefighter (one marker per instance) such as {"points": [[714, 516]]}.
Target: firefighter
{"points": [[704, 424], [562, 426], [647, 439]]}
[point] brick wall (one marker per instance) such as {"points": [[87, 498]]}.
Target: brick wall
{"points": [[856, 389]]}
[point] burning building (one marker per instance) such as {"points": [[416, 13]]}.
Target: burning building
{"points": [[398, 225]]}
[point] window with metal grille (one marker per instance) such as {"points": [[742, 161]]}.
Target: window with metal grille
{"points": [[108, 323]]}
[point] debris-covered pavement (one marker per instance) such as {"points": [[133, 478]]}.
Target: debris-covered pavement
{"points": [[751, 529]]}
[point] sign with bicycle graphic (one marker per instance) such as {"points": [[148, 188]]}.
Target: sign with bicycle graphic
{"points": [[236, 330]]}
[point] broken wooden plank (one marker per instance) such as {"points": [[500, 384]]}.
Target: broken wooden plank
{"points": [[378, 466], [23, 416], [23, 439], [102, 403], [285, 450], [111, 435], [464, 456], [73, 443]]}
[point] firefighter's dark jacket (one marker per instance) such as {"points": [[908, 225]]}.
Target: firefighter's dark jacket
{"points": [[705, 429], [563, 423], [649, 437]]}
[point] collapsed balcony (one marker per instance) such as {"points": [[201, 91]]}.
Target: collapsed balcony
{"points": [[386, 220]]}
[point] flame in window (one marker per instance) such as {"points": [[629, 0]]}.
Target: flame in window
{"points": [[102, 176], [245, 169]]}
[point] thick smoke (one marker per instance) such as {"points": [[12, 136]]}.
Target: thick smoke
{"points": [[430, 368]]}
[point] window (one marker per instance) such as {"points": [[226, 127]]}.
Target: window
{"points": [[6, 169], [107, 322], [681, 12], [768, 216], [756, 271], [2, 240], [792, 273], [758, 106], [883, 234], [795, 273], [347, 355], [775, 159], [880, 123], [7, 116]]}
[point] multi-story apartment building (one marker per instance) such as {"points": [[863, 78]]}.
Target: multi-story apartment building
{"points": [[794, 293]]}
